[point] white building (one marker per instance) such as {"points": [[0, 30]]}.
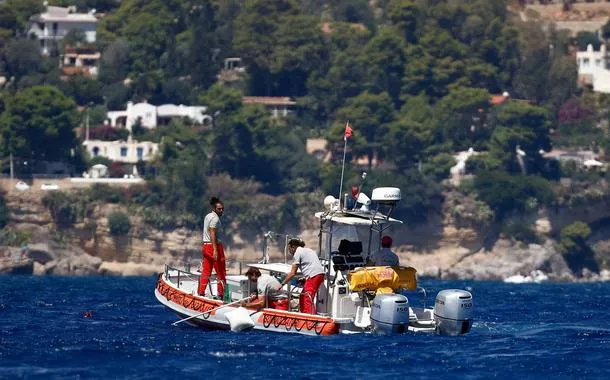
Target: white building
{"points": [[130, 151], [593, 68], [52, 25], [278, 106], [150, 116], [79, 61]]}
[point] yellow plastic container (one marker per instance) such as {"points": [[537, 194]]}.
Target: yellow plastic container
{"points": [[373, 278]]}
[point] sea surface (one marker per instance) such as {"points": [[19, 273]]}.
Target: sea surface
{"points": [[559, 331]]}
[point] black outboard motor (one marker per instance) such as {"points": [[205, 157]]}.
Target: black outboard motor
{"points": [[390, 314], [453, 312]]}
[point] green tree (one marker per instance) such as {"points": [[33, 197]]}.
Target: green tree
{"points": [[204, 41], [21, 57], [118, 223], [83, 90], [385, 61], [61, 207], [21, 10], [182, 169], [406, 142], [39, 122], [584, 39], [115, 62], [369, 114], [462, 115], [299, 49], [404, 15], [278, 46], [225, 101], [4, 211], [354, 11], [573, 244], [506, 193], [520, 125], [329, 87]]}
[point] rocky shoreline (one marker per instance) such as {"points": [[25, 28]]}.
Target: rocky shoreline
{"points": [[440, 249]]}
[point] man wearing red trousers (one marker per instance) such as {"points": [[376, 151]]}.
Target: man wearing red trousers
{"points": [[306, 259], [212, 249]]}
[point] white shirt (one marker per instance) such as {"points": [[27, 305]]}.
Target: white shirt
{"points": [[308, 262], [212, 220], [267, 281], [385, 257]]}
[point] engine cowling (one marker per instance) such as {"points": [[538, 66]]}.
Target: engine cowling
{"points": [[453, 311], [390, 314]]}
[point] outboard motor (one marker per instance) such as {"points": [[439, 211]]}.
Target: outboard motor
{"points": [[390, 314], [453, 312]]}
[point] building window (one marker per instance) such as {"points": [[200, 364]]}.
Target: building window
{"points": [[123, 152], [96, 151], [140, 152], [54, 28], [585, 62], [598, 62]]}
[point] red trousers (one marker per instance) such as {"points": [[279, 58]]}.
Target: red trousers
{"points": [[308, 294], [207, 251]]}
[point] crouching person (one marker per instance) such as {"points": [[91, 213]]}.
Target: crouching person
{"points": [[268, 291]]}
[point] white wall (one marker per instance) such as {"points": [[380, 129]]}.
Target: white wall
{"points": [[594, 63], [123, 151]]}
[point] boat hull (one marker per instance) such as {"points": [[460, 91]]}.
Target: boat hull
{"points": [[269, 320]]}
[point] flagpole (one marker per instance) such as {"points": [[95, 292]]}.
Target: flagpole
{"points": [[343, 169]]}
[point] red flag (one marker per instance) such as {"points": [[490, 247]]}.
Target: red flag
{"points": [[348, 131]]}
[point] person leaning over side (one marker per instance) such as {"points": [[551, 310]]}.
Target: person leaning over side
{"points": [[307, 260], [266, 286], [385, 256], [212, 250]]}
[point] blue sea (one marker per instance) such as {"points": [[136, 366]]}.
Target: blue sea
{"points": [[559, 331]]}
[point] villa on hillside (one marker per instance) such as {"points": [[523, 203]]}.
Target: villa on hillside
{"points": [[150, 116], [130, 151], [51, 26], [79, 61], [276, 105], [593, 69]]}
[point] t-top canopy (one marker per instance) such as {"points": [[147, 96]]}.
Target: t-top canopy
{"points": [[355, 218]]}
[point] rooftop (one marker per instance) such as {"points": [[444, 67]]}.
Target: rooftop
{"points": [[60, 14], [269, 100]]}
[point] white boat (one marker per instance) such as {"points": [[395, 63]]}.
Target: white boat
{"points": [[536, 276], [352, 299]]}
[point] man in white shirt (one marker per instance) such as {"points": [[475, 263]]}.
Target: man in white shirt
{"points": [[212, 250], [385, 256], [307, 260], [266, 285]]}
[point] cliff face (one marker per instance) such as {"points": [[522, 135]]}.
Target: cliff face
{"points": [[445, 247]]}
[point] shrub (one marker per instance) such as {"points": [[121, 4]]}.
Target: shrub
{"points": [[573, 244], [521, 232], [61, 207], [439, 166], [105, 193], [159, 219], [506, 193], [4, 213], [14, 237], [108, 133], [100, 160], [118, 223]]}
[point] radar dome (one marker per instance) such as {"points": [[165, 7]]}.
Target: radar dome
{"points": [[329, 202]]}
